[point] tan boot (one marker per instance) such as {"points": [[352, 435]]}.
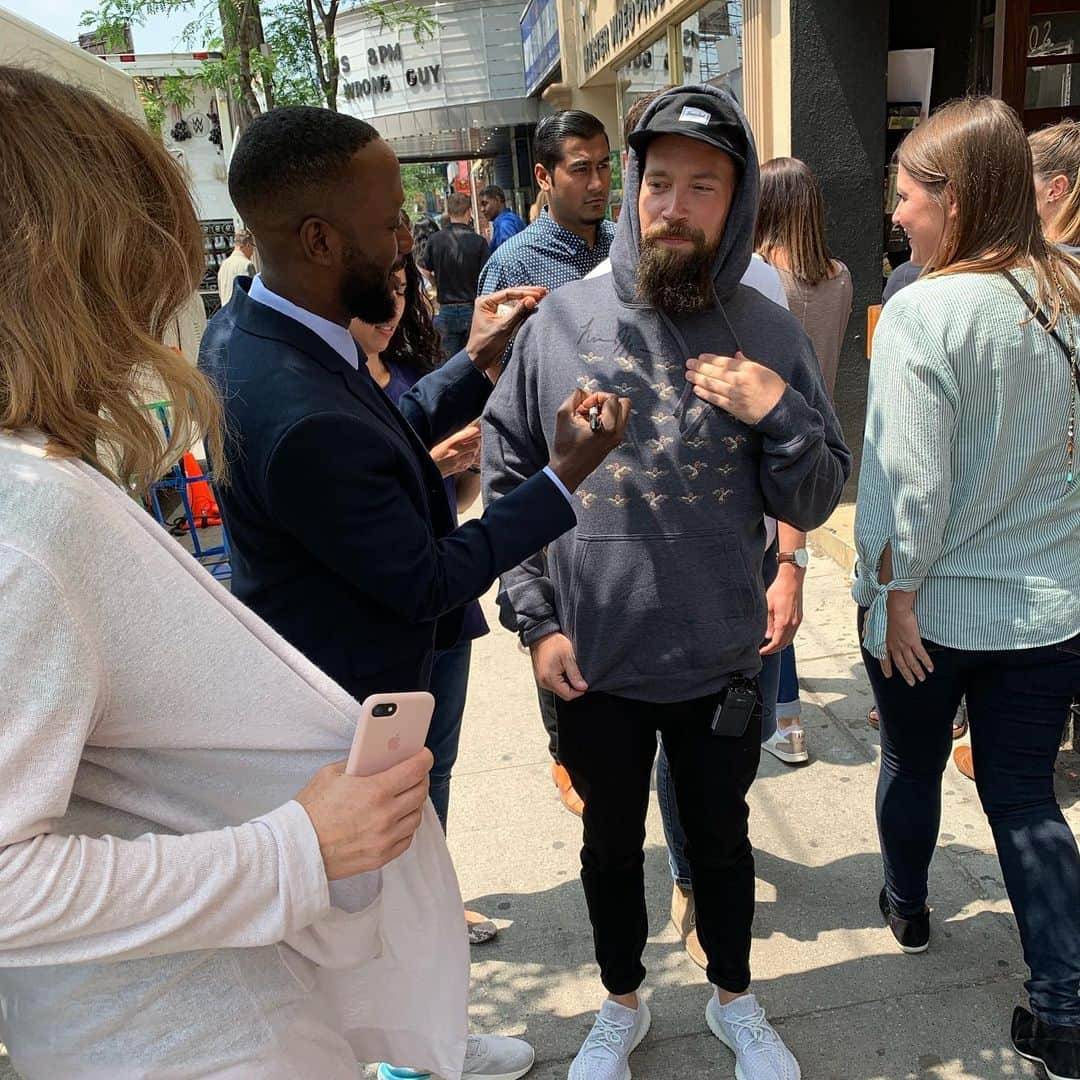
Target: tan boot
{"points": [[683, 910], [695, 951]]}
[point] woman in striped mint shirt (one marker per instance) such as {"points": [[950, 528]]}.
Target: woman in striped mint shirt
{"points": [[968, 534]]}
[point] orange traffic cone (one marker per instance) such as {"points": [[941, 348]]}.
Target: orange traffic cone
{"points": [[204, 507]]}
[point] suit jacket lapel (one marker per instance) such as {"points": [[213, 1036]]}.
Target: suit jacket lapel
{"points": [[265, 322]]}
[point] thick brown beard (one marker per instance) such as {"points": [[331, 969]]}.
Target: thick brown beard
{"points": [[676, 282]]}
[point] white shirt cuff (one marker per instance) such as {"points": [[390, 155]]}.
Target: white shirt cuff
{"points": [[559, 484]]}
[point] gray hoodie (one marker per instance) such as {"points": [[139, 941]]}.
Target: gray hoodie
{"points": [[660, 585]]}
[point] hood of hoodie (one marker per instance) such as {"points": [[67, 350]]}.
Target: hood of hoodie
{"points": [[737, 243]]}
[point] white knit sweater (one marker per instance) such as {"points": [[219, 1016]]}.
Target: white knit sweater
{"points": [[152, 734]]}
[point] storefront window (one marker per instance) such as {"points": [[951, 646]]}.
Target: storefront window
{"points": [[643, 74], [712, 46], [711, 41], [1053, 76]]}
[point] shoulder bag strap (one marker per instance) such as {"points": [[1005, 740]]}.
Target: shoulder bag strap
{"points": [[1043, 320]]}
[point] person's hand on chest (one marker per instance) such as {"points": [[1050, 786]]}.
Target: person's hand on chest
{"points": [[747, 390]]}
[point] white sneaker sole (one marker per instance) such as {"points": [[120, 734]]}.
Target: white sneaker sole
{"points": [[1039, 1061], [718, 1031], [787, 758], [913, 950], [784, 756], [516, 1075], [626, 1075]]}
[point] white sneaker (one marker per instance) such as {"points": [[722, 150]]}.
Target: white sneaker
{"points": [[787, 744], [495, 1057], [605, 1053], [760, 1053]]}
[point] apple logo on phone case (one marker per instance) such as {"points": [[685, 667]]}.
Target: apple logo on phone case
{"points": [[394, 743]]}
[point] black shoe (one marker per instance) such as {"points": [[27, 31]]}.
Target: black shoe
{"points": [[912, 932], [1057, 1049]]}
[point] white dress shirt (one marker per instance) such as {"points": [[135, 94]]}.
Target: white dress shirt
{"points": [[334, 334]]}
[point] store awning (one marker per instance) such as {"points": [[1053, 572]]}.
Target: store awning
{"points": [[478, 130]]}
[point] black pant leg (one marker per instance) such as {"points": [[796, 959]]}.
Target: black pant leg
{"points": [[712, 776], [608, 745]]}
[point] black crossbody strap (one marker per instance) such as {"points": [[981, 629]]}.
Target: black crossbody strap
{"points": [[1044, 321]]}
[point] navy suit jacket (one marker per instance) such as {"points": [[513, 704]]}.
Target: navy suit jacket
{"points": [[342, 538]]}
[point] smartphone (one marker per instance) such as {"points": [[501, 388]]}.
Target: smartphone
{"points": [[392, 727]]}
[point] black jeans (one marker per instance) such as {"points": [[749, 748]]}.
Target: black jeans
{"points": [[608, 745], [1017, 705]]}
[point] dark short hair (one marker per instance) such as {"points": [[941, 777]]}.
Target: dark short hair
{"points": [[286, 152], [458, 204], [554, 130], [637, 111], [493, 191]]}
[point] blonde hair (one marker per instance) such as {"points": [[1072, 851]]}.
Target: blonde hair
{"points": [[1055, 151], [975, 151], [791, 220], [99, 248]]}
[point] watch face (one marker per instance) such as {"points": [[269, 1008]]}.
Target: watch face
{"points": [[802, 558]]}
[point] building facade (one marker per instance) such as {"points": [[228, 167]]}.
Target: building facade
{"points": [[834, 82], [458, 95]]}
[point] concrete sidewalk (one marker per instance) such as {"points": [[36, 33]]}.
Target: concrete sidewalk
{"points": [[848, 1003]]}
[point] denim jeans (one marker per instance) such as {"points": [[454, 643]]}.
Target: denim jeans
{"points": [[449, 685], [1017, 702], [788, 706], [665, 787], [453, 323]]}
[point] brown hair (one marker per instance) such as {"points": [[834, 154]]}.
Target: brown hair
{"points": [[791, 220], [637, 111], [1055, 151], [975, 151], [458, 204], [99, 249]]}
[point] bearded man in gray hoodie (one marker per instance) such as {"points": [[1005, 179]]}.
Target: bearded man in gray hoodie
{"points": [[649, 616]]}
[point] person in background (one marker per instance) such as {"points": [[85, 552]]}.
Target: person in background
{"points": [[239, 264], [1055, 152], [567, 241], [424, 227], [539, 205], [968, 538], [455, 256], [179, 845], [398, 352], [790, 237], [504, 222], [903, 275]]}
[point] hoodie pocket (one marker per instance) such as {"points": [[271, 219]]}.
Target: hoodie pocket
{"points": [[646, 607]]}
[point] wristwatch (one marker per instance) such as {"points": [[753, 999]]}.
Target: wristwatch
{"points": [[800, 557]]}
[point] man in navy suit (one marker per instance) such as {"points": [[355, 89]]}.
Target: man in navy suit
{"points": [[342, 537], [341, 534]]}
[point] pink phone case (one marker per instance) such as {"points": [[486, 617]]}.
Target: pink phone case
{"points": [[381, 742]]}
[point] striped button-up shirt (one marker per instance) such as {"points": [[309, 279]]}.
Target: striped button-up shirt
{"points": [[964, 470]]}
